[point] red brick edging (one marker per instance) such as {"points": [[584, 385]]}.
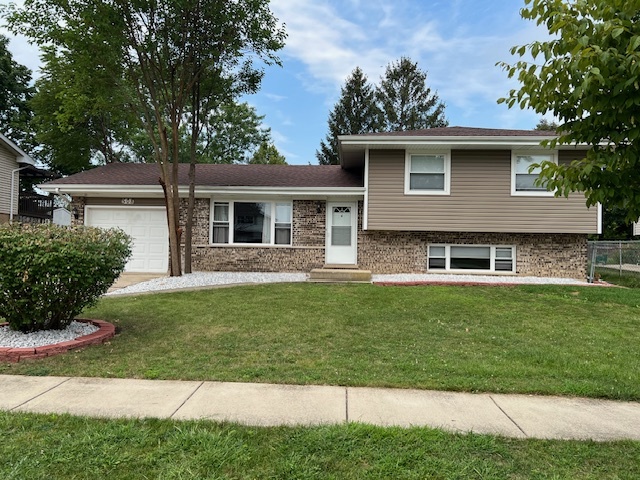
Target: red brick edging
{"points": [[105, 332]]}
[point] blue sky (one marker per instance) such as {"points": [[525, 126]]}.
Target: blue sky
{"points": [[458, 43]]}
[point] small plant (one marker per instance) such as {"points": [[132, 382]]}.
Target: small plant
{"points": [[49, 274]]}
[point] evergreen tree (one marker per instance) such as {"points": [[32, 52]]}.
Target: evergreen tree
{"points": [[405, 99], [356, 112]]}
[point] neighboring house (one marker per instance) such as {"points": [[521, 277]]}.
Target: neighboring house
{"points": [[14, 205], [455, 199], [12, 161]]}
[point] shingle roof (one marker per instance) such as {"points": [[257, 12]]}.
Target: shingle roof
{"points": [[463, 132], [220, 175]]}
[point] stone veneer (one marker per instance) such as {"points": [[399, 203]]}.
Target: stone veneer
{"points": [[553, 255]]}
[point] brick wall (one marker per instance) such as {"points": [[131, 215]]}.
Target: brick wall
{"points": [[305, 253], [557, 255], [78, 204]]}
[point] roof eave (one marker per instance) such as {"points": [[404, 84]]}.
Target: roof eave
{"points": [[352, 147], [153, 191], [21, 156]]}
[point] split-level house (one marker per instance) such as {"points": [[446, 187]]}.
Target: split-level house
{"points": [[442, 200]]}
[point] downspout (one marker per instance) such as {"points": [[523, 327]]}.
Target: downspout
{"points": [[13, 187]]}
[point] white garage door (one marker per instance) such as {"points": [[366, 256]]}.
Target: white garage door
{"points": [[147, 227]]}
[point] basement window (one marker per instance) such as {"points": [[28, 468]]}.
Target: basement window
{"points": [[472, 258]]}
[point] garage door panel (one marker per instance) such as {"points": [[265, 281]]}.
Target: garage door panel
{"points": [[148, 229], [140, 231]]}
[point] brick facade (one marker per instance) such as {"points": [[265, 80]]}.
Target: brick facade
{"points": [[553, 255], [305, 253]]}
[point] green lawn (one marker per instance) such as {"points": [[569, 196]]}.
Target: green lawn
{"points": [[62, 447], [528, 339], [624, 279]]}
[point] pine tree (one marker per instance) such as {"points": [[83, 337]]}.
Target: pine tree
{"points": [[405, 99], [356, 112]]}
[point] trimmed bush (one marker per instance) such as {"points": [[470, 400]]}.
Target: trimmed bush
{"points": [[49, 274]]}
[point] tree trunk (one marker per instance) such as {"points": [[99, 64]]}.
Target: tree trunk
{"points": [[195, 133]]}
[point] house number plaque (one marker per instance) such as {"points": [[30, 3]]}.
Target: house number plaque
{"points": [[127, 201]]}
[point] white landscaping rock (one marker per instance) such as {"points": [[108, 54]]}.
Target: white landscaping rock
{"points": [[12, 339], [206, 279]]}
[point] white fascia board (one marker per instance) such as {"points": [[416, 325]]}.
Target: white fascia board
{"points": [[201, 191], [451, 142], [372, 142], [21, 156], [104, 190]]}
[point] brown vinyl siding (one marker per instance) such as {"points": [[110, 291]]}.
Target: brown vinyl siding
{"points": [[480, 199]]}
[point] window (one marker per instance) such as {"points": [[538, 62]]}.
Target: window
{"points": [[427, 174], [523, 177], [220, 223], [471, 257], [255, 223]]}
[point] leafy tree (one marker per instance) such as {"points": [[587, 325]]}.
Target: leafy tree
{"points": [[615, 225], [545, 124], [233, 133], [177, 59], [81, 115], [356, 112], [405, 99], [587, 76], [15, 94], [268, 154]]}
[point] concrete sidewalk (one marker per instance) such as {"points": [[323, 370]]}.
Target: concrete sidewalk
{"points": [[518, 416]]}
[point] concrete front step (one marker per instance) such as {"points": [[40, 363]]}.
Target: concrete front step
{"points": [[339, 275]]}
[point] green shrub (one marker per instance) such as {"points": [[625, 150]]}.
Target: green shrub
{"points": [[48, 273]]}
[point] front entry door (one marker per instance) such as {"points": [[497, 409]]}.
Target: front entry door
{"points": [[341, 244]]}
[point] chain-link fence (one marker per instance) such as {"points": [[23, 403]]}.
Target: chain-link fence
{"points": [[611, 259]]}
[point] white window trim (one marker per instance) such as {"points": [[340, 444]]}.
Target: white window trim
{"points": [[272, 233], [447, 268], [514, 155], [447, 174]]}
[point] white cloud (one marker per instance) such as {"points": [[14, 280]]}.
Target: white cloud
{"points": [[274, 97], [460, 58]]}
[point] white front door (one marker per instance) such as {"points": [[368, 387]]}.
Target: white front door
{"points": [[342, 226]]}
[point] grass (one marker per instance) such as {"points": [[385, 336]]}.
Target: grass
{"points": [[624, 279], [63, 447], [529, 339]]}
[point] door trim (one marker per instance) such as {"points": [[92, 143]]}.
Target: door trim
{"points": [[354, 232]]}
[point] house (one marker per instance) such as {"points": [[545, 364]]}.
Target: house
{"points": [[12, 161], [14, 204], [453, 199]]}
